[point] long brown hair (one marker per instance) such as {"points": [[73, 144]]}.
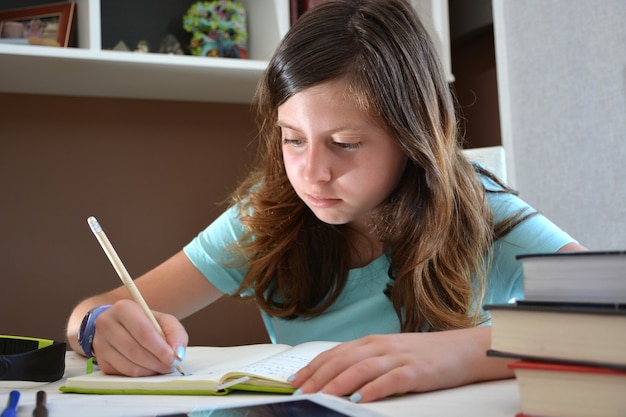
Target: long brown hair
{"points": [[436, 227]]}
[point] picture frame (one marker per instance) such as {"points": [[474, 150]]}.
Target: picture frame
{"points": [[49, 24]]}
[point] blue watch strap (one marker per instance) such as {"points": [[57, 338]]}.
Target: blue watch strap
{"points": [[88, 329]]}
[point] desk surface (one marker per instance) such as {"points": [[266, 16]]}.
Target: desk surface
{"points": [[490, 399]]}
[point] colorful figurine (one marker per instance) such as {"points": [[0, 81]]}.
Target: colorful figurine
{"points": [[218, 29]]}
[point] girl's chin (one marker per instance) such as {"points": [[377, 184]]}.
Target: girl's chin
{"points": [[329, 218]]}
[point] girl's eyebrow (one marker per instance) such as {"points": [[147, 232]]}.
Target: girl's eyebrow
{"points": [[286, 125], [280, 123]]}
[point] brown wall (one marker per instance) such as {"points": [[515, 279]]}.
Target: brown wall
{"points": [[474, 67], [476, 89], [154, 173]]}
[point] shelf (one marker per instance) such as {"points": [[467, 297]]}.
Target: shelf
{"points": [[76, 72], [90, 71]]}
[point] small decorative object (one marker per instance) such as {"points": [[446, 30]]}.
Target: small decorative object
{"points": [[170, 45], [142, 47], [218, 29], [121, 46]]}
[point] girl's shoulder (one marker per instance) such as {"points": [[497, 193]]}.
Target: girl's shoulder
{"points": [[489, 182], [503, 201]]}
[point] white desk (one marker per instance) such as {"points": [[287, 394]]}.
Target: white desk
{"points": [[491, 399]]}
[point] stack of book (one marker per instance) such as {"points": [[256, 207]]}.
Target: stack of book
{"points": [[568, 336]]}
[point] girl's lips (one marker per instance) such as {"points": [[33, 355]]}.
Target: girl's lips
{"points": [[321, 201]]}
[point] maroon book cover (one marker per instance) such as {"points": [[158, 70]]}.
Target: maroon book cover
{"points": [[298, 7]]}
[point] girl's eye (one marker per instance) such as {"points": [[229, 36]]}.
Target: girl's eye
{"points": [[348, 145], [292, 142]]}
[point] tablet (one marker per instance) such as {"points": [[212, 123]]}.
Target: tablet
{"points": [[308, 405]]}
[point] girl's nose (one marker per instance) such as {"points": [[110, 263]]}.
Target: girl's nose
{"points": [[317, 165]]}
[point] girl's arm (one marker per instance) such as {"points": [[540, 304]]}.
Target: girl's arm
{"points": [[378, 366]]}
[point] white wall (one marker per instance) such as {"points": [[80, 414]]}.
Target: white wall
{"points": [[562, 89]]}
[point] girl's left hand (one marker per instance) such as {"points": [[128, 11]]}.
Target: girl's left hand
{"points": [[378, 366]]}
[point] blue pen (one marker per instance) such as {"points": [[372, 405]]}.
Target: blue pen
{"points": [[11, 410]]}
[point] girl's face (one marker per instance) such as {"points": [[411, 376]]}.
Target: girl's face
{"points": [[339, 161]]}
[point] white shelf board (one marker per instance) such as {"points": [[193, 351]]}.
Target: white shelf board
{"points": [[80, 72]]}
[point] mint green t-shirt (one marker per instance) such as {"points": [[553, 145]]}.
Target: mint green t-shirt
{"points": [[363, 308]]}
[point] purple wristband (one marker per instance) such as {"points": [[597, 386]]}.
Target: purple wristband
{"points": [[88, 329]]}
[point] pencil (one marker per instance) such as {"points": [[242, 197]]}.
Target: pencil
{"points": [[125, 276]]}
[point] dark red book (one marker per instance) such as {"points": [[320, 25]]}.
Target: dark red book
{"points": [[298, 7], [557, 390]]}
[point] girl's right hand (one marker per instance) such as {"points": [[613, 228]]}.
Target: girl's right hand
{"points": [[126, 342]]}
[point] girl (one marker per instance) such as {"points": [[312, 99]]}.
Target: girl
{"points": [[362, 223]]}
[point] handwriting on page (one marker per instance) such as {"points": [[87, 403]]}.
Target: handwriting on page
{"points": [[286, 363], [278, 367]]}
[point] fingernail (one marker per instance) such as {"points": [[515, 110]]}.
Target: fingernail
{"points": [[291, 378], [181, 352], [298, 392], [356, 397], [175, 363]]}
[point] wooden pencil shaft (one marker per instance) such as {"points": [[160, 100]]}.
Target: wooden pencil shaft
{"points": [[125, 277], [121, 270]]}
